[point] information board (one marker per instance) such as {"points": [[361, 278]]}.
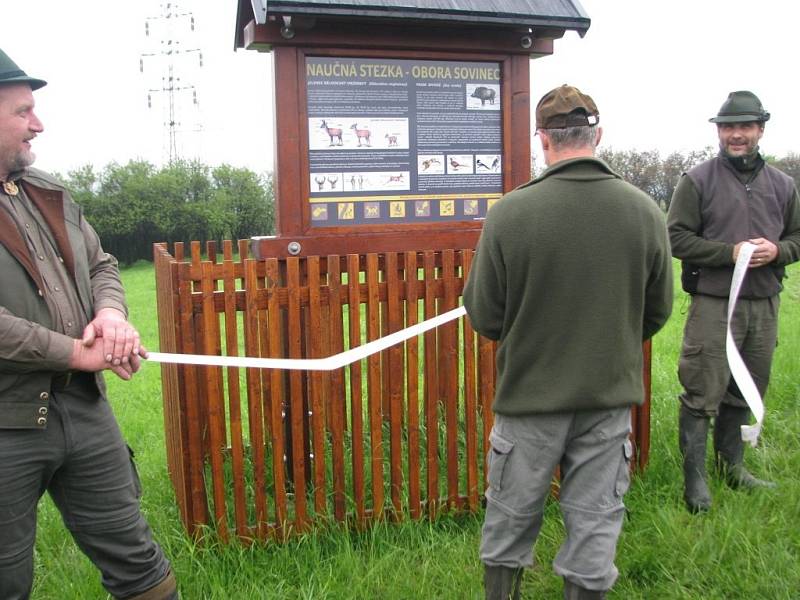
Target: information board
{"points": [[402, 141]]}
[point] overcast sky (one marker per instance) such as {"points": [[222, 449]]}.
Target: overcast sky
{"points": [[656, 69]]}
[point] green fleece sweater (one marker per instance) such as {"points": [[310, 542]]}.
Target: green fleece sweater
{"points": [[572, 273]]}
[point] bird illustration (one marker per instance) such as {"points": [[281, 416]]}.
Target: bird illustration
{"points": [[426, 164], [495, 163], [482, 165], [455, 164]]}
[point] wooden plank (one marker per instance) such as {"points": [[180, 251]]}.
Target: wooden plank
{"points": [[412, 385], [395, 373], [216, 411], [431, 389], [227, 251], [254, 390], [211, 251], [194, 421], [277, 393], [297, 413], [316, 350], [356, 401], [197, 255], [243, 246], [337, 399], [234, 401], [172, 386], [448, 375], [470, 400], [374, 381]]}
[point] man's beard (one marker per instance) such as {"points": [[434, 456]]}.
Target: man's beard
{"points": [[22, 160]]}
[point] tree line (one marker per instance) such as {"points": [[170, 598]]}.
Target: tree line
{"points": [[658, 176], [132, 206]]}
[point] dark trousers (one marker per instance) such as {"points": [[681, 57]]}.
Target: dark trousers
{"points": [[85, 465], [703, 367]]}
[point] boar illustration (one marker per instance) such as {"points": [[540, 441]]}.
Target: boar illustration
{"points": [[483, 94]]}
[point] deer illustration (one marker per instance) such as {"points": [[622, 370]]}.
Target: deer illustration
{"points": [[332, 179], [320, 181], [361, 134], [394, 179], [392, 139], [332, 133]]}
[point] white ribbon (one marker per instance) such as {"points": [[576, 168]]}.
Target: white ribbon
{"points": [[739, 370], [311, 364]]}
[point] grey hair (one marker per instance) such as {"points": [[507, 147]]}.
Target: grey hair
{"points": [[573, 137]]}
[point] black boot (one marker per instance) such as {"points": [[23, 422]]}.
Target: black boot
{"points": [[729, 448], [502, 583], [692, 435], [573, 591]]}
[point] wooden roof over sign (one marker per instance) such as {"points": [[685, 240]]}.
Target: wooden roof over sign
{"points": [[545, 18]]}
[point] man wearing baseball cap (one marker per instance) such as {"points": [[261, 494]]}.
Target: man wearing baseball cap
{"points": [[735, 197], [63, 321], [572, 273]]}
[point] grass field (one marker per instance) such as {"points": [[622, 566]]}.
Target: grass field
{"points": [[747, 547]]}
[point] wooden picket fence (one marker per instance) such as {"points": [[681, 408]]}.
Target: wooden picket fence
{"points": [[262, 453]]}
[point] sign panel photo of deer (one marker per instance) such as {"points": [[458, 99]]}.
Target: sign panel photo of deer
{"points": [[402, 141]]}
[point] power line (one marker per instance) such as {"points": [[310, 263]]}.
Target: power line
{"points": [[172, 27]]}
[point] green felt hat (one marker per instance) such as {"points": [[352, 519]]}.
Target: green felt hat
{"points": [[11, 73], [741, 107]]}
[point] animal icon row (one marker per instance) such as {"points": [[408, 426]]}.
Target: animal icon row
{"points": [[401, 209]]}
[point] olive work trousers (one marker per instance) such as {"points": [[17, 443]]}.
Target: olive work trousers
{"points": [[593, 452], [703, 366], [83, 462]]}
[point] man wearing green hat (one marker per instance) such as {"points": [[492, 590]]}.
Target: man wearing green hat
{"points": [[62, 323], [572, 273], [735, 197]]}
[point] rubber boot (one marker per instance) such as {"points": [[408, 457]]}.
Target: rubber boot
{"points": [[502, 583], [692, 435], [573, 591], [729, 448], [165, 590]]}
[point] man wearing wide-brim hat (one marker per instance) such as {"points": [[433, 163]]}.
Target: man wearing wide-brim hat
{"points": [[572, 273], [734, 198], [63, 321]]}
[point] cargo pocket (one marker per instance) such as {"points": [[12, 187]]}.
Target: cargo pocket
{"points": [[137, 484], [498, 457], [624, 472], [690, 368]]}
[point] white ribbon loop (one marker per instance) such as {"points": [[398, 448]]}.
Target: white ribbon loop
{"points": [[311, 364], [739, 372]]}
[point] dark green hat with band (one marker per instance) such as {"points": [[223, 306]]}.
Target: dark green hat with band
{"points": [[11, 73], [741, 107]]}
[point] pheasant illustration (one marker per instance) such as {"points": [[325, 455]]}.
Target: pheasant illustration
{"points": [[456, 165]]}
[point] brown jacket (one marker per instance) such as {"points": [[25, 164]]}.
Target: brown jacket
{"points": [[31, 352]]}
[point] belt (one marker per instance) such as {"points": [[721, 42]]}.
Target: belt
{"points": [[62, 381]]}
